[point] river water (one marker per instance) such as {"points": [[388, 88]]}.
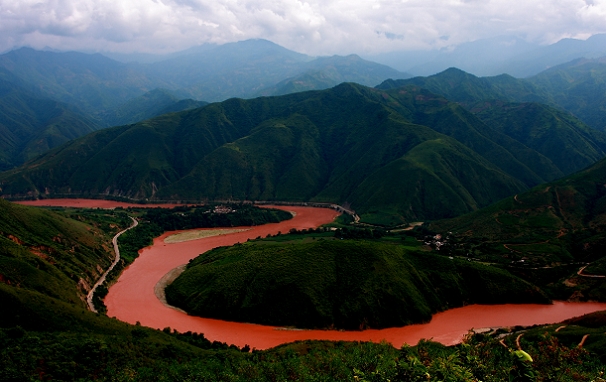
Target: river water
{"points": [[132, 299]]}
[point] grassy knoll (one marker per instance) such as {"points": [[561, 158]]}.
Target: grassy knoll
{"points": [[350, 284]]}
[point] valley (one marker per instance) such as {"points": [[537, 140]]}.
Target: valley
{"points": [[466, 218]]}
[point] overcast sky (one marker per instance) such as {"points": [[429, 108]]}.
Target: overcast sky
{"points": [[315, 27]]}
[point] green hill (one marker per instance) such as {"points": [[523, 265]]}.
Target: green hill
{"points": [[510, 107], [337, 284], [348, 144], [549, 131], [48, 253], [31, 125], [545, 234], [467, 89], [577, 87]]}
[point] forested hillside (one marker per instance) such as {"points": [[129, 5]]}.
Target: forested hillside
{"points": [[31, 125], [399, 155]]}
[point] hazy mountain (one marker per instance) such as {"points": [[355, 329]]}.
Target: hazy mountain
{"points": [[326, 72], [91, 82], [494, 56], [103, 87], [259, 67], [148, 105], [482, 57], [543, 58], [400, 153], [31, 125]]}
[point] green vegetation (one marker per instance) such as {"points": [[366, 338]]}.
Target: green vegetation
{"points": [[402, 155], [510, 108], [547, 130], [49, 253], [47, 335], [577, 87], [544, 235], [31, 125], [346, 284]]}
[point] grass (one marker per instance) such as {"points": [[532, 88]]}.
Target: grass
{"points": [[311, 281]]}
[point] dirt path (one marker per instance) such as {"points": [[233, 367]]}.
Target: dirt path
{"points": [[580, 273], [91, 293]]}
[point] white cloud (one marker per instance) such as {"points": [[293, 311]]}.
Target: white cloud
{"points": [[313, 26]]}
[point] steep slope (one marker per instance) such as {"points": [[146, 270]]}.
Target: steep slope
{"points": [[509, 106], [553, 235], [549, 131], [574, 203], [31, 125], [332, 146], [44, 252], [579, 87]]}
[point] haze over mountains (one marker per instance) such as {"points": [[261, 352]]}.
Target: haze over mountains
{"points": [[497, 55]]}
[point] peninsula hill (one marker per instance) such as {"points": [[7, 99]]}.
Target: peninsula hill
{"points": [[393, 155], [344, 284]]}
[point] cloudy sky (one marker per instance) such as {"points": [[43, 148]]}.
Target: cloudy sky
{"points": [[316, 27]]}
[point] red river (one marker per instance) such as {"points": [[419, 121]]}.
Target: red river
{"points": [[133, 299]]}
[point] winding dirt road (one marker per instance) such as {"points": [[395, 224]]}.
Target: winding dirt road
{"points": [[91, 293]]}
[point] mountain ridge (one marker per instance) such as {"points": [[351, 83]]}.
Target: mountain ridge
{"points": [[338, 145]]}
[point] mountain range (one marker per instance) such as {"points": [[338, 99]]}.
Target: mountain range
{"points": [[411, 149], [394, 155], [577, 87], [495, 56], [101, 86]]}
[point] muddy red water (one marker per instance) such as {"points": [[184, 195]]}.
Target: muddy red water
{"points": [[133, 299]]}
